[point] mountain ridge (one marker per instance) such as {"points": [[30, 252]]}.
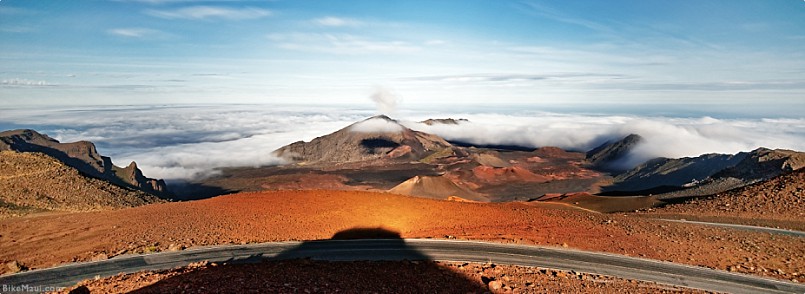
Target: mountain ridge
{"points": [[84, 157], [375, 138]]}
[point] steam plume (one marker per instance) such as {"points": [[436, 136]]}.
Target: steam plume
{"points": [[385, 100]]}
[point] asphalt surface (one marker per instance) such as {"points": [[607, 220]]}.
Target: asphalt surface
{"points": [[414, 249], [742, 227]]}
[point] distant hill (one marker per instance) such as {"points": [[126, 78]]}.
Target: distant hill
{"points": [[437, 187], [35, 182], [444, 121], [82, 156], [608, 156], [38, 173], [706, 174], [376, 138], [780, 198]]}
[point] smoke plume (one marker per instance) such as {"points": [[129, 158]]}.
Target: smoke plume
{"points": [[385, 100]]}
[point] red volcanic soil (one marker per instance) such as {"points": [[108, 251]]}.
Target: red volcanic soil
{"points": [[778, 202], [505, 174], [47, 240], [554, 152], [604, 204]]}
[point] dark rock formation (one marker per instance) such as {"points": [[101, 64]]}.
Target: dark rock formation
{"points": [[444, 121], [707, 174], [82, 156], [609, 155]]}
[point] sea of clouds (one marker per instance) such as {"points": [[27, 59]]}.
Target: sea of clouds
{"points": [[185, 142]]}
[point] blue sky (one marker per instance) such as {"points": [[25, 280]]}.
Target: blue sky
{"points": [[711, 53]]}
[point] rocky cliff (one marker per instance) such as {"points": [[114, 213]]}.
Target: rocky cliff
{"points": [[84, 157]]}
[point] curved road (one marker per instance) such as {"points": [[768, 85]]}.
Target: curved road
{"points": [[741, 227], [415, 249]]}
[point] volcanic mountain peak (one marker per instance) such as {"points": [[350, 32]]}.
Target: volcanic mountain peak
{"points": [[377, 124], [378, 137], [381, 117]]}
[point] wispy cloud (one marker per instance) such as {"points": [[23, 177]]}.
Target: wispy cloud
{"points": [[711, 86], [435, 42], [542, 10], [8, 10], [210, 12], [160, 2], [17, 29], [507, 77], [339, 44], [332, 21], [24, 82], [138, 33]]}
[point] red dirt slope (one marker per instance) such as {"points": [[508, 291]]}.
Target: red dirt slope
{"points": [[43, 241]]}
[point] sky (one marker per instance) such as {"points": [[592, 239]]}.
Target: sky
{"points": [[746, 55], [184, 87]]}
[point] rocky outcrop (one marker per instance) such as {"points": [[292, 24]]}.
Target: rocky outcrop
{"points": [[707, 174], [444, 121], [779, 198], [134, 176], [608, 156], [376, 138], [33, 182], [84, 157]]}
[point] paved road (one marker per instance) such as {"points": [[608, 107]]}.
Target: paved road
{"points": [[742, 227], [417, 249]]}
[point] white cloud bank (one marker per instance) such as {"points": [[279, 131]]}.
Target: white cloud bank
{"points": [[664, 136], [186, 142]]}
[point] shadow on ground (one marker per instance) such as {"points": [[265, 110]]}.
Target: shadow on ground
{"points": [[320, 267], [185, 191]]}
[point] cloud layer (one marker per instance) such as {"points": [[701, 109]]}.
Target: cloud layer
{"points": [[187, 142], [665, 136]]}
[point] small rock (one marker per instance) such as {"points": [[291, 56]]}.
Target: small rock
{"points": [[495, 285], [175, 247], [80, 290], [100, 256], [564, 245], [14, 266]]}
